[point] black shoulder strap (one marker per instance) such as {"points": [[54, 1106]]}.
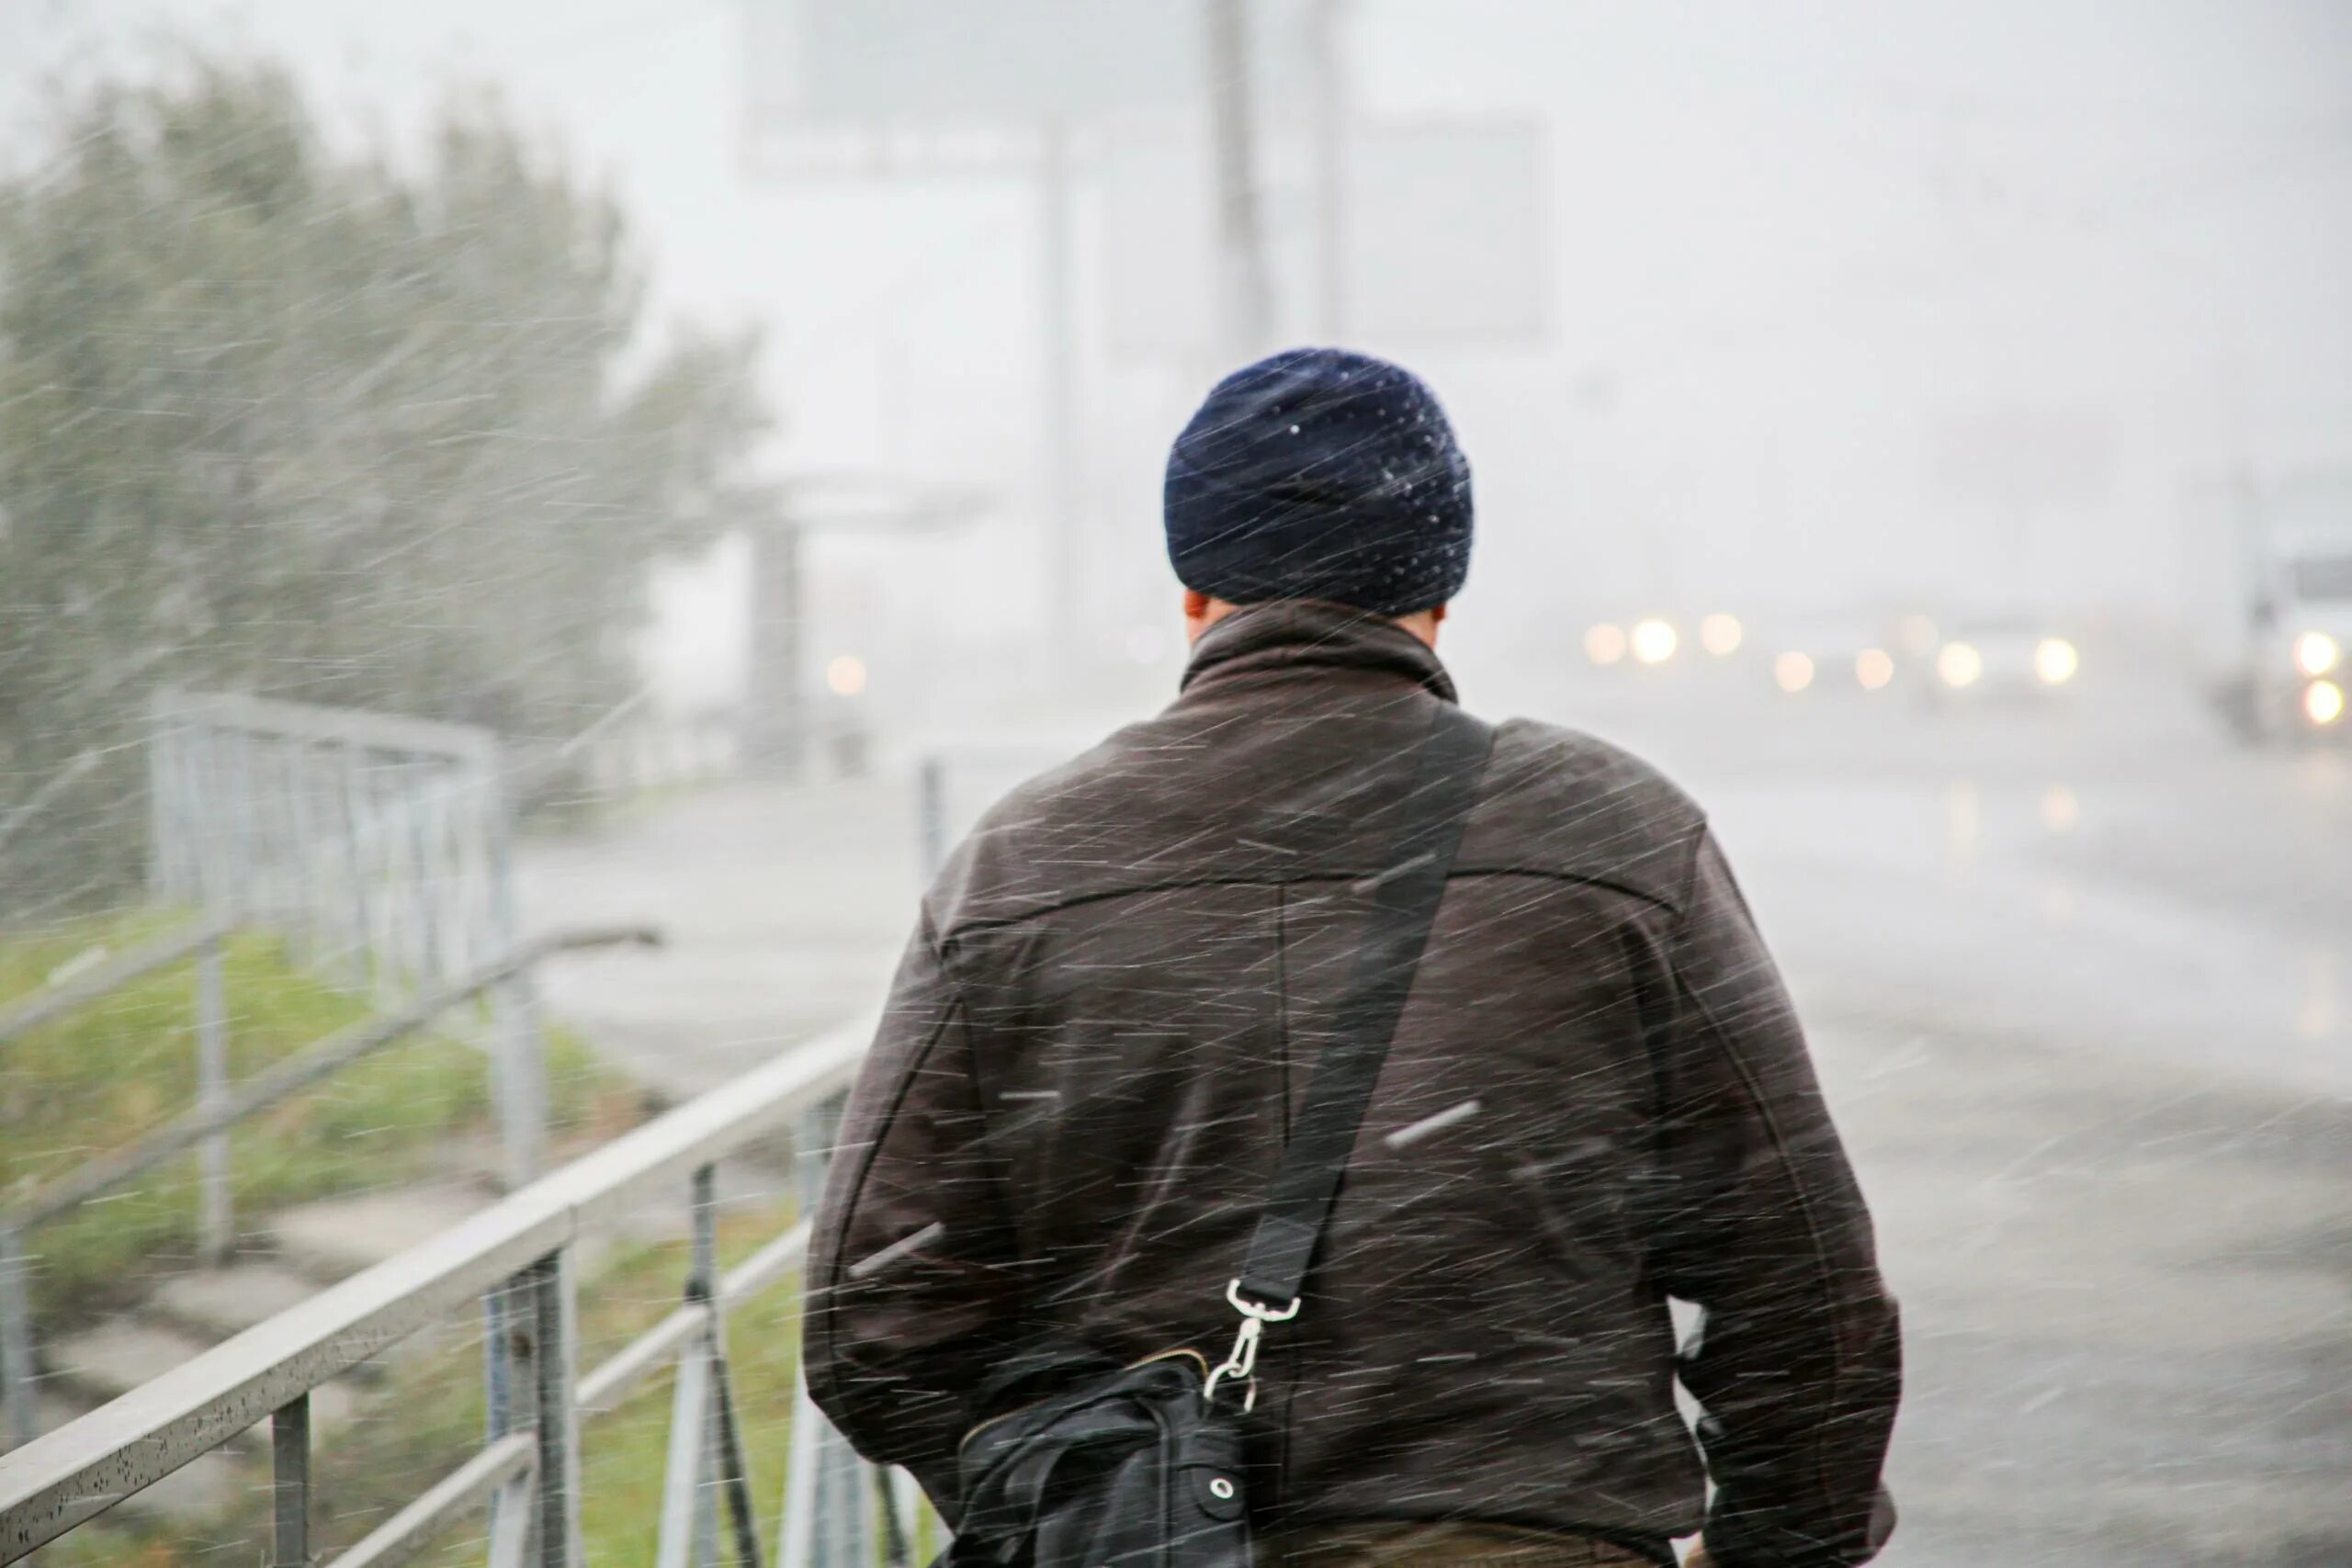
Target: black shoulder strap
{"points": [[1445, 786]]}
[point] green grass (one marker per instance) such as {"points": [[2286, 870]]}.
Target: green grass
{"points": [[428, 1417], [101, 1077]]}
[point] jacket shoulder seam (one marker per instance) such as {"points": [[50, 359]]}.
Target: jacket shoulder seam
{"points": [[1805, 1209], [825, 1365]]}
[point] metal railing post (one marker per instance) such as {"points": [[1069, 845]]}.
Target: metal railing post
{"points": [[685, 1538], [518, 1255], [825, 1516], [519, 1069], [689, 1535], [307, 848], [555, 1350], [509, 1392], [703, 1281], [18, 1381], [355, 868], [244, 820], [425, 897], [520, 1043], [289, 1454], [216, 1223]]}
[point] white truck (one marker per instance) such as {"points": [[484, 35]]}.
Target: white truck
{"points": [[2270, 564]]}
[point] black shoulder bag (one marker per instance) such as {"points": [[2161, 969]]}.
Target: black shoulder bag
{"points": [[1141, 1466]]}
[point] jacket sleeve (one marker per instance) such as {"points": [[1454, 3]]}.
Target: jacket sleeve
{"points": [[1797, 1365], [913, 1280]]}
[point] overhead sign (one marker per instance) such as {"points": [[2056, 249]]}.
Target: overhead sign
{"points": [[1443, 232], [2009, 457], [944, 64]]}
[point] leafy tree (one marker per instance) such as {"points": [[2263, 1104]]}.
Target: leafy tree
{"points": [[317, 426]]}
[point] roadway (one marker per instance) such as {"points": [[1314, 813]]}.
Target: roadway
{"points": [[2080, 985], [2079, 980]]}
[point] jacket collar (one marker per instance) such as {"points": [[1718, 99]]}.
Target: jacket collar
{"points": [[1306, 635]]}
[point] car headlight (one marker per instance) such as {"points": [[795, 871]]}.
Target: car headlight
{"points": [[1959, 664], [1719, 634], [1654, 642], [2322, 702], [1793, 671], [2316, 653], [1605, 644], [1873, 667], [2055, 660]]}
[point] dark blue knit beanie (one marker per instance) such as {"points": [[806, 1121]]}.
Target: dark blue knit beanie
{"points": [[1320, 474]]}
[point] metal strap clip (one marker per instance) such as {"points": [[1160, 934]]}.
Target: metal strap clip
{"points": [[1241, 1363]]}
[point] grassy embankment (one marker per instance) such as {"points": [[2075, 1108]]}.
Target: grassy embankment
{"points": [[100, 1078]]}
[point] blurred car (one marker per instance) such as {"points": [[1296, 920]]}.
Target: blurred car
{"points": [[2011, 655], [1663, 641], [1831, 653]]}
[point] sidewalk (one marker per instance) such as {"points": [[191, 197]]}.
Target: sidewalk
{"points": [[2126, 1285], [2127, 1306], [783, 907]]}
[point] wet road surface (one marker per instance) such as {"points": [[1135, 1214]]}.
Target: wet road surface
{"points": [[2080, 985], [2076, 979]]}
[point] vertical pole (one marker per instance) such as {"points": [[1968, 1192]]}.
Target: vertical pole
{"points": [[825, 1516], [689, 1533], [491, 903], [200, 789], [509, 1371], [424, 852], [215, 1225], [704, 1267], [931, 815], [494, 825], [303, 861], [246, 824], [1065, 573], [264, 896], [735, 1471], [520, 1067], [416, 798], [521, 1048], [683, 1540], [163, 842], [1244, 309], [554, 1351], [895, 1551], [776, 725], [289, 1452], [17, 1381], [1330, 171], [354, 866]]}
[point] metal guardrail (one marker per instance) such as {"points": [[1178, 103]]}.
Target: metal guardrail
{"points": [[221, 1106], [69, 996], [21, 815], [384, 841], [517, 1257]]}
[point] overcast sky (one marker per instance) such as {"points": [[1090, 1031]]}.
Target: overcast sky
{"points": [[1808, 263]]}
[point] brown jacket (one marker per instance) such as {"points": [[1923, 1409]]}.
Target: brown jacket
{"points": [[1597, 1096]]}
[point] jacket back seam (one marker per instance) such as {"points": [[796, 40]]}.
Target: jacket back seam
{"points": [[830, 1361], [952, 933]]}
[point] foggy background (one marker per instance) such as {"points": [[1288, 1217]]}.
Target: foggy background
{"points": [[1801, 276], [1923, 429]]}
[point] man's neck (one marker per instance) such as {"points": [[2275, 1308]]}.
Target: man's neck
{"points": [[1203, 611]]}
